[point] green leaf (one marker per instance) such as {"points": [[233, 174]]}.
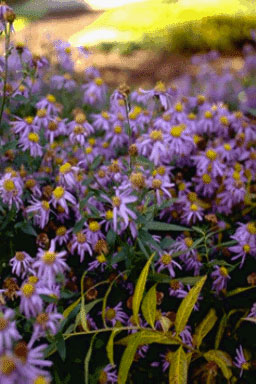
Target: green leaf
{"points": [[48, 299], [148, 306], [150, 337], [110, 346], [127, 358], [187, 305], [222, 359], [220, 331], [204, 327], [238, 290], [83, 310], [104, 304], [139, 289], [159, 226], [178, 371], [87, 360], [79, 225], [60, 345], [70, 308]]}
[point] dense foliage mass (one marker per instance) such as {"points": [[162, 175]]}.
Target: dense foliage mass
{"points": [[127, 224]]}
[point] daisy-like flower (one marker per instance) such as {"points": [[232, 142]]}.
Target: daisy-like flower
{"points": [[67, 175], [11, 190], [62, 235], [8, 330], [23, 126], [30, 301], [242, 250], [240, 361], [31, 142], [49, 263], [221, 277], [95, 91], [208, 162], [108, 375], [49, 104], [21, 264], [80, 245], [112, 315], [100, 262], [60, 197], [42, 211], [93, 232], [191, 213], [120, 209], [166, 262], [8, 369]]}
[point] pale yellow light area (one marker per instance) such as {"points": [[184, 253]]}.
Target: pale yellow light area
{"points": [[20, 23], [109, 4], [132, 21]]}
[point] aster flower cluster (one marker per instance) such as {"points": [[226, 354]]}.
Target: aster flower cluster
{"points": [[95, 186]]}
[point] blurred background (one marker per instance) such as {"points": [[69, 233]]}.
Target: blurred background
{"points": [[139, 41]]}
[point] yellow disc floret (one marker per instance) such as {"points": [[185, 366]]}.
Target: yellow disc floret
{"points": [[32, 136], [28, 289]]}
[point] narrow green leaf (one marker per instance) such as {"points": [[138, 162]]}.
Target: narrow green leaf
{"points": [[178, 371], [83, 310], [104, 304], [159, 226], [61, 346], [204, 327], [220, 331], [110, 346], [127, 359], [222, 359], [87, 360], [150, 337], [139, 289], [187, 305], [148, 306], [238, 290]]}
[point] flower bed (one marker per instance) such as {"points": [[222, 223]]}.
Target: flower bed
{"points": [[127, 224]]}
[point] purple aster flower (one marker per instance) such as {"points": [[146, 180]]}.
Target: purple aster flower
{"points": [[64, 54], [191, 213], [31, 303], [80, 245], [11, 188], [60, 197], [50, 263], [62, 235], [63, 82], [166, 262], [8, 368], [253, 311], [108, 375], [221, 277], [68, 174], [95, 92], [49, 104], [23, 126], [31, 142], [242, 250], [21, 264], [8, 330], [32, 361], [112, 315], [42, 211], [240, 361]]}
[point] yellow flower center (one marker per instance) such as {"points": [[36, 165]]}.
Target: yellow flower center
{"points": [[245, 366], [166, 259], [110, 314], [169, 356], [29, 119], [156, 183], [52, 126], [156, 135], [30, 183], [177, 130], [211, 154], [7, 365], [178, 107], [101, 258], [9, 185], [28, 289], [45, 205], [192, 196], [49, 258], [160, 87], [68, 50], [137, 179], [88, 150], [98, 81], [238, 167], [224, 120], [94, 226], [118, 129], [109, 215], [19, 256], [206, 178], [105, 115], [41, 380], [92, 141], [223, 271], [51, 98], [188, 241], [61, 231], [251, 228], [33, 279], [81, 238], [191, 116], [116, 201], [32, 136], [161, 170], [166, 117], [208, 114], [65, 168], [42, 318], [3, 323], [236, 175], [193, 207], [58, 192], [227, 147], [246, 248], [41, 112], [80, 118], [181, 186]]}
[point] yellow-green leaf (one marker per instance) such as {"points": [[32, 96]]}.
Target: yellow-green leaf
{"points": [[187, 305], [83, 310], [148, 306], [220, 331], [178, 371], [222, 359], [127, 358], [204, 327], [110, 346], [139, 289], [70, 308], [149, 337], [165, 323]]}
